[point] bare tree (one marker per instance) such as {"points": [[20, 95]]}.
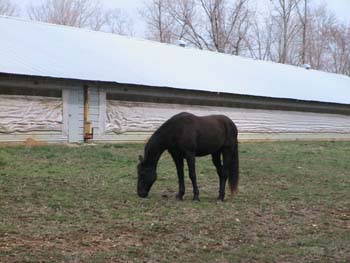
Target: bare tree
{"points": [[160, 23], [119, 22], [287, 26], [303, 14], [97, 18], [218, 25], [189, 24], [339, 49], [290, 31], [77, 13], [260, 39], [8, 9], [227, 25], [317, 37]]}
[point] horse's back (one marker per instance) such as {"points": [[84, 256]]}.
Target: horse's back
{"points": [[207, 118], [222, 120], [207, 134], [203, 122]]}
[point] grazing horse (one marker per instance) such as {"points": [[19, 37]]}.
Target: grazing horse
{"points": [[186, 136]]}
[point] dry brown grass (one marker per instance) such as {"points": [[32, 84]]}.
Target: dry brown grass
{"points": [[61, 204]]}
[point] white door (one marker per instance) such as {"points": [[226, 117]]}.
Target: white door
{"points": [[76, 115]]}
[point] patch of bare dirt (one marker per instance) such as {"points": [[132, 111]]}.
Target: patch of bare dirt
{"points": [[84, 243], [30, 142]]}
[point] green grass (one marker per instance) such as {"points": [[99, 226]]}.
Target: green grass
{"points": [[78, 204]]}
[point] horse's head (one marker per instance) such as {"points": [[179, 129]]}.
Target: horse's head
{"points": [[146, 177]]}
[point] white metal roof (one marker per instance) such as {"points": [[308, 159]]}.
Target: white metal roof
{"points": [[40, 49]]}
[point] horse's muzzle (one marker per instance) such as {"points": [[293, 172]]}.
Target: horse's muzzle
{"points": [[143, 195]]}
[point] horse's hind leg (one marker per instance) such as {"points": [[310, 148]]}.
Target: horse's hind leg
{"points": [[191, 162], [228, 163], [179, 162], [222, 176]]}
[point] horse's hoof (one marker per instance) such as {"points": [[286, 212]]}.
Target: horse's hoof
{"points": [[196, 199], [221, 198], [179, 197]]}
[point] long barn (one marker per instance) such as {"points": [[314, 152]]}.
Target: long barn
{"points": [[63, 84]]}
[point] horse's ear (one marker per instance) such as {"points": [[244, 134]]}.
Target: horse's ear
{"points": [[140, 158]]}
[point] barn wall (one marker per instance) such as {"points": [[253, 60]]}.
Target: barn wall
{"points": [[50, 112], [37, 117], [42, 111], [54, 111], [26, 114], [129, 121]]}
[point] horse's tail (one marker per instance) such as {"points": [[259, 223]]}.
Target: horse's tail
{"points": [[233, 177]]}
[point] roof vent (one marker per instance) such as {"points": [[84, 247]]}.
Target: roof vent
{"points": [[307, 66], [181, 43]]}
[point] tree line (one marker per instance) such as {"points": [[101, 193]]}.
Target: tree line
{"points": [[295, 32]]}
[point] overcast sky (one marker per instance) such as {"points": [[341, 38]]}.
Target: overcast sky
{"points": [[341, 8]]}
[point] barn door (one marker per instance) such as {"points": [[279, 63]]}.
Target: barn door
{"points": [[76, 116]]}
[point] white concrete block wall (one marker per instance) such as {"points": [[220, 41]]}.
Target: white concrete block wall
{"points": [[128, 121], [62, 119], [37, 117]]}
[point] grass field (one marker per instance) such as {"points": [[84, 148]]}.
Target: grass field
{"points": [[78, 204]]}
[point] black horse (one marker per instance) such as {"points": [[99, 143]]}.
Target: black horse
{"points": [[186, 136]]}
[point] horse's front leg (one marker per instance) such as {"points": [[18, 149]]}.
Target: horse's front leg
{"points": [[191, 162], [179, 162]]}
